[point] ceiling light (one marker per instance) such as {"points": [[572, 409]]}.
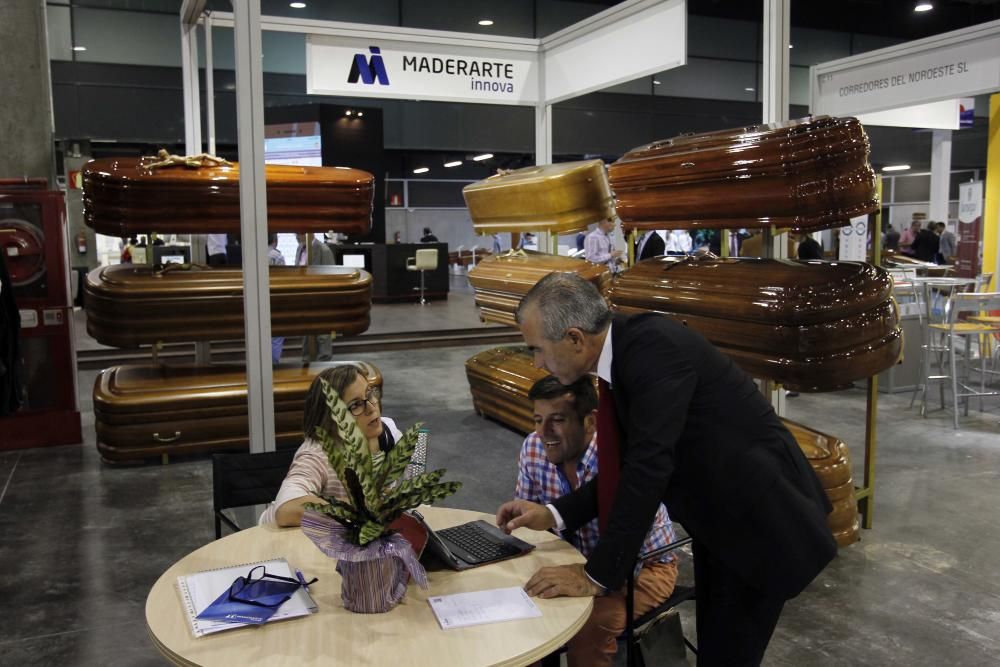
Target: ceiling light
{"points": [[79, 48], [749, 90], [655, 82], [791, 46], [486, 22], [923, 7], [360, 114], [297, 5], [348, 112], [421, 170], [484, 156], [453, 164], [896, 167]]}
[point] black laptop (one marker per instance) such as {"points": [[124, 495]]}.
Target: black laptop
{"points": [[471, 544]]}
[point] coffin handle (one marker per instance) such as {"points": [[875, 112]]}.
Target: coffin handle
{"points": [[158, 438]]}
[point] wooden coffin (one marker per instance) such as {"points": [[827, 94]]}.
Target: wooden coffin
{"points": [[811, 325], [143, 411], [500, 379], [123, 197], [831, 461], [562, 198], [501, 281], [130, 305], [805, 174]]}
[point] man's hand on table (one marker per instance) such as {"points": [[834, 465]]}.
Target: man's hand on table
{"points": [[562, 580], [524, 514]]}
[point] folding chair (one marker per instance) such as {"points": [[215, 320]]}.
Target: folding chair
{"points": [[240, 480]]}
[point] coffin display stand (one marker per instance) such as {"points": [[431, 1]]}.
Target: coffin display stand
{"points": [[500, 379]]}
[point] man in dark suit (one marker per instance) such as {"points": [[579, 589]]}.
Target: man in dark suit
{"points": [[650, 245], [696, 434]]}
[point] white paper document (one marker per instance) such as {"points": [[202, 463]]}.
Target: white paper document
{"points": [[493, 606]]}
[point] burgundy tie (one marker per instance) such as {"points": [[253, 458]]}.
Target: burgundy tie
{"points": [[608, 458]]}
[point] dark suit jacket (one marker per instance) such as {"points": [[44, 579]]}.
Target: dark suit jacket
{"points": [[654, 247], [700, 437]]}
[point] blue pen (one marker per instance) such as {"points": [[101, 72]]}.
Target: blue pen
{"points": [[302, 578]]}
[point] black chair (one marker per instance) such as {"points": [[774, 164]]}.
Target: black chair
{"points": [[239, 480], [636, 628]]}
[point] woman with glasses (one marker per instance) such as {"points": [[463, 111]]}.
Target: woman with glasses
{"points": [[310, 474]]}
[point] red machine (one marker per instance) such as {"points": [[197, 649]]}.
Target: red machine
{"points": [[33, 242]]}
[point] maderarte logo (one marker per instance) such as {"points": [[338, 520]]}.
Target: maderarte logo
{"points": [[369, 69]]}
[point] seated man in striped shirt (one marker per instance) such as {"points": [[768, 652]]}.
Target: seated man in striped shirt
{"points": [[556, 459]]}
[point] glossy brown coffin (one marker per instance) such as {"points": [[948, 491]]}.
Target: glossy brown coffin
{"points": [[128, 305], [501, 281], [811, 325], [123, 196], [564, 198], [805, 174], [143, 411], [500, 379]]}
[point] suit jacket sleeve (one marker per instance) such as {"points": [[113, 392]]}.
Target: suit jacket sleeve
{"points": [[654, 381]]}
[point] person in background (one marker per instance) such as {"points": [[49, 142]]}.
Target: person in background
{"points": [[275, 258], [891, 239], [428, 236], [650, 245], [599, 248], [310, 475], [580, 239], [679, 242], [947, 245], [694, 433], [907, 238], [216, 249], [314, 348], [397, 237], [809, 248], [559, 457], [925, 245], [496, 244]]}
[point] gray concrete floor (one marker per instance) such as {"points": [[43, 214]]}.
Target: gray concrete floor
{"points": [[81, 542]]}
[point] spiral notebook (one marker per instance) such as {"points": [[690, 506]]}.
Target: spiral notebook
{"points": [[200, 589]]}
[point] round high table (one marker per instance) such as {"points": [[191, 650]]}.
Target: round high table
{"points": [[409, 635]]}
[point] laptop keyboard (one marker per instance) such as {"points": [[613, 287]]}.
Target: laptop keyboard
{"points": [[479, 546]]}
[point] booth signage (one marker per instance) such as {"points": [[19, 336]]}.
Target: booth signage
{"points": [[959, 64], [968, 253], [414, 70], [854, 240]]}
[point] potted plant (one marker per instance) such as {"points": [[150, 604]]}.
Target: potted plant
{"points": [[374, 561]]}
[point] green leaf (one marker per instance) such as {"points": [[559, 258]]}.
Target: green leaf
{"points": [[369, 532], [426, 495], [399, 457]]}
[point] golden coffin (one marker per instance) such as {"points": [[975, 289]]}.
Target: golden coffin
{"points": [[501, 281], [562, 198]]}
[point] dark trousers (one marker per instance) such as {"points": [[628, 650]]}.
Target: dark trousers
{"points": [[218, 259], [735, 621]]}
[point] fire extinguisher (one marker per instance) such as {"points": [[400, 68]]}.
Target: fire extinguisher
{"points": [[81, 243]]}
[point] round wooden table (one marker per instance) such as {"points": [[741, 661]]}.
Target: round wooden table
{"points": [[409, 635]]}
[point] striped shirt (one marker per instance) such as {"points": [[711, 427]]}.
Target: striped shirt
{"points": [[542, 482], [311, 475], [597, 247]]}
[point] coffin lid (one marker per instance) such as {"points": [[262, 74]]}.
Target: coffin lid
{"points": [[519, 271], [152, 388], [135, 173]]}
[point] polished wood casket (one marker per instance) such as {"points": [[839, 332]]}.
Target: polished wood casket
{"points": [[501, 281], [131, 305], [811, 325], [500, 378], [124, 196], [563, 198], [144, 411], [805, 174]]}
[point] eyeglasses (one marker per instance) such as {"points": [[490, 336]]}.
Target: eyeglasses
{"points": [[373, 395], [262, 589]]}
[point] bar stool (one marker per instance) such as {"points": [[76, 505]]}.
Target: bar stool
{"points": [[958, 328], [424, 260]]}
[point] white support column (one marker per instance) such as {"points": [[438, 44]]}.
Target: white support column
{"points": [[209, 86], [253, 223], [777, 36], [940, 174], [543, 144]]}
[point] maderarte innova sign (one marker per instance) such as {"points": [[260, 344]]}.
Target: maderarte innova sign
{"points": [[412, 70]]}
